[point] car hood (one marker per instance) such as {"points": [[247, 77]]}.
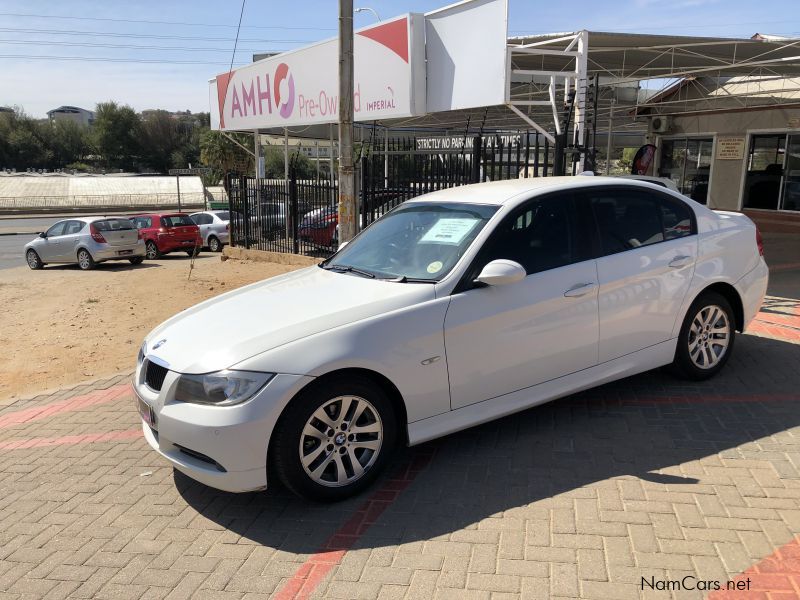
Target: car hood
{"points": [[230, 328]]}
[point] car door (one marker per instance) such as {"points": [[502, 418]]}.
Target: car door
{"points": [[68, 242], [50, 249], [500, 339], [647, 249]]}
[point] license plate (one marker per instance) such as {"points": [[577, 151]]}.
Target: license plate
{"points": [[124, 252], [147, 413]]}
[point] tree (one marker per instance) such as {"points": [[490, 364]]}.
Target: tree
{"points": [[69, 143], [116, 135], [274, 165], [223, 155]]}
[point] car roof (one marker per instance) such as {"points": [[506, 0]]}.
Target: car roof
{"points": [[510, 190], [94, 219]]}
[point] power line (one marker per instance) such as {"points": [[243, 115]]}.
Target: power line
{"points": [[148, 22], [146, 36], [123, 46], [109, 59]]}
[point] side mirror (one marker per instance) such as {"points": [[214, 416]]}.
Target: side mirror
{"points": [[502, 272], [43, 234]]}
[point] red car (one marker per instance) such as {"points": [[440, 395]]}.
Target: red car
{"points": [[168, 232]]}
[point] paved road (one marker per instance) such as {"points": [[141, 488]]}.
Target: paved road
{"points": [[11, 250]]}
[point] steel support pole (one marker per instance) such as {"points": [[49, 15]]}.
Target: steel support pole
{"points": [[581, 85], [610, 135], [347, 198], [178, 184]]}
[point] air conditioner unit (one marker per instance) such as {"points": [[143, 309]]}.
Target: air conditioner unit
{"points": [[660, 124]]}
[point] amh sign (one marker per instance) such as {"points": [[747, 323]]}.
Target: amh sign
{"points": [[301, 87]]}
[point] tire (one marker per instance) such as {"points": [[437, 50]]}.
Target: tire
{"points": [[33, 260], [85, 260], [214, 244], [151, 250], [137, 260], [706, 339], [193, 252], [318, 464]]}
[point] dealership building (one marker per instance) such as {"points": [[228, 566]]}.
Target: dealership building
{"points": [[722, 113]]}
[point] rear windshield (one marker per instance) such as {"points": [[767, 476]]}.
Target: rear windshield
{"points": [[176, 221], [223, 215], [113, 224]]}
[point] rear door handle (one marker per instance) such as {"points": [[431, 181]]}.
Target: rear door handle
{"points": [[581, 289], [680, 261]]}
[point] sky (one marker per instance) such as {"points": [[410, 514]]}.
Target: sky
{"points": [[160, 54]]}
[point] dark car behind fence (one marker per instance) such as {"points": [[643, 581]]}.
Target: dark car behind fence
{"points": [[300, 216]]}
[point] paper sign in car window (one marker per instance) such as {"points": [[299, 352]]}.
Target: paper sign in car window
{"points": [[449, 231]]}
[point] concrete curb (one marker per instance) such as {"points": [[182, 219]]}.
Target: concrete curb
{"points": [[2, 233], [267, 256]]}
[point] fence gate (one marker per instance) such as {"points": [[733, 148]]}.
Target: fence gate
{"points": [[301, 216]]}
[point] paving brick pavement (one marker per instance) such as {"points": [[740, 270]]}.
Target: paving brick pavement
{"points": [[649, 477]]}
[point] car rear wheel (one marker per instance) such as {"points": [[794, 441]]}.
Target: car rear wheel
{"points": [[334, 438], [137, 260], [151, 251], [214, 244], [706, 338], [193, 252], [33, 260], [85, 260]]}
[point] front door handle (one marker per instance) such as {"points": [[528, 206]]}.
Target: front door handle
{"points": [[680, 261], [581, 289]]}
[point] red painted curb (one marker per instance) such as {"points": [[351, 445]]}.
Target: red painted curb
{"points": [[71, 440], [312, 572], [775, 577]]}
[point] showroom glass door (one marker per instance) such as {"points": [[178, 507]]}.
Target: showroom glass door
{"points": [[687, 161], [790, 194]]}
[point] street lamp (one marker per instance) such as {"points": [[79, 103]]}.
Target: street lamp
{"points": [[372, 10]]}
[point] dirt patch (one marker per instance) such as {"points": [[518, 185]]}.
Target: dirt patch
{"points": [[62, 326]]}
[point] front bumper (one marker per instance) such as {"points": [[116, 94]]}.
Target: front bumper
{"points": [[224, 447]]}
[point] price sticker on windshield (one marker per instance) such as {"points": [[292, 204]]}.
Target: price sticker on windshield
{"points": [[449, 231]]}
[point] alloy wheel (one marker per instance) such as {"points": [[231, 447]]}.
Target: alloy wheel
{"points": [[84, 260], [709, 336], [151, 250], [341, 441], [33, 259]]}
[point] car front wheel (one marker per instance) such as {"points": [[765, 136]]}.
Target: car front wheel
{"points": [[136, 260], [85, 260], [706, 338], [33, 260], [334, 438]]}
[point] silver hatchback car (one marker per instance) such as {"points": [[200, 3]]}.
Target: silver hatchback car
{"points": [[86, 241], [213, 226]]}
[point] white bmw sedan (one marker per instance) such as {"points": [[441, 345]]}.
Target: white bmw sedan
{"points": [[453, 309]]}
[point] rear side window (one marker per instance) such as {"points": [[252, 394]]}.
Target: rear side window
{"points": [[73, 227], [113, 224], [629, 219], [142, 222], [677, 218], [176, 221]]}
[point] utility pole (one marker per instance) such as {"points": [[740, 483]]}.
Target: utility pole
{"points": [[347, 180]]}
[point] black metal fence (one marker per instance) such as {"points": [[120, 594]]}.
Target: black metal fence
{"points": [[300, 216]]}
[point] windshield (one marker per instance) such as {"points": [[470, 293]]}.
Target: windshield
{"points": [[421, 241]]}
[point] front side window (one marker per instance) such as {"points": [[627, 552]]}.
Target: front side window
{"points": [[539, 236], [57, 229], [416, 241]]}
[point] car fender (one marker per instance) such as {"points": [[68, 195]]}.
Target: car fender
{"points": [[405, 346]]}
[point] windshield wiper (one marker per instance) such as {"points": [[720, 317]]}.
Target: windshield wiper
{"points": [[404, 279], [348, 269]]}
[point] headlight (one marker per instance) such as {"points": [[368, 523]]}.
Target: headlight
{"points": [[222, 388], [142, 352]]}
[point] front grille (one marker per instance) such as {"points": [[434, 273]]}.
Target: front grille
{"points": [[154, 375]]}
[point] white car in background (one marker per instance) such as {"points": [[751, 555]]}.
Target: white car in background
{"points": [[214, 228], [451, 310], [86, 241]]}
